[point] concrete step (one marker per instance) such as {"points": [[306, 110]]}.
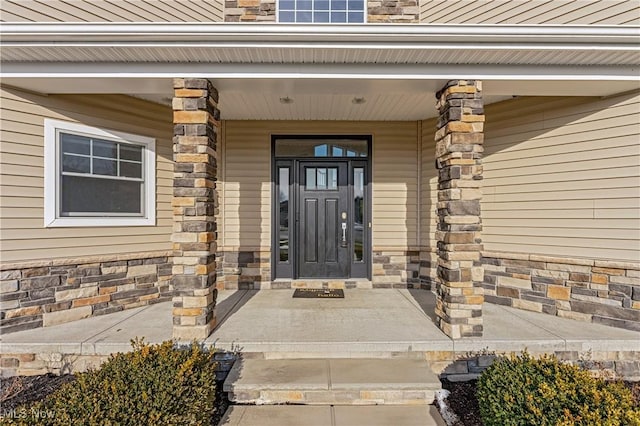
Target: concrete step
{"points": [[332, 382], [305, 415]]}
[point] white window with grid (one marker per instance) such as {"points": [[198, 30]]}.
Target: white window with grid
{"points": [[97, 177], [321, 11]]}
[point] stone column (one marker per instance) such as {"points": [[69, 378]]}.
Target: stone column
{"points": [[196, 121], [459, 138]]}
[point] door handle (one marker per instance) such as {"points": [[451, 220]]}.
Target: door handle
{"points": [[344, 234]]}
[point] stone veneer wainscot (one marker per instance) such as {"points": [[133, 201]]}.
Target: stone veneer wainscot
{"points": [[598, 291], [50, 292]]}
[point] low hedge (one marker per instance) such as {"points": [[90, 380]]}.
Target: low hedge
{"points": [[522, 390], [153, 385]]}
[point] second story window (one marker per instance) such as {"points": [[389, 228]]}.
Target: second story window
{"points": [[321, 11]]}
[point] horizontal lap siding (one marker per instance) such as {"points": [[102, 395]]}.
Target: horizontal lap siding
{"points": [[562, 177], [246, 191], [429, 186], [22, 232], [585, 12]]}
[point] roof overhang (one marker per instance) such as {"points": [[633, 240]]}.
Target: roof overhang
{"points": [[220, 43], [320, 60]]}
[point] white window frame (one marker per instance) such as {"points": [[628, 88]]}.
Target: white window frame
{"points": [[52, 217]]}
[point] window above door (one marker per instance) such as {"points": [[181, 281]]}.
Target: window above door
{"points": [[322, 11], [321, 148]]}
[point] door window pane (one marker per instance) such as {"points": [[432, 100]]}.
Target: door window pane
{"points": [[358, 214], [321, 148], [333, 178], [311, 178], [322, 178], [283, 201]]}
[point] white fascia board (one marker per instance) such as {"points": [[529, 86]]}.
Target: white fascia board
{"points": [[321, 71], [262, 35]]}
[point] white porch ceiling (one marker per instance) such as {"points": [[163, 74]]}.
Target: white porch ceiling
{"points": [[318, 99]]}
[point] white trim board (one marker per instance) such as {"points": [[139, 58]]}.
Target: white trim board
{"points": [[288, 33]]}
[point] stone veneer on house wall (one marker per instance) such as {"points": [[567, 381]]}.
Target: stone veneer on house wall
{"points": [[250, 11], [383, 11], [393, 11], [459, 138], [598, 291], [251, 270], [196, 120], [44, 293]]}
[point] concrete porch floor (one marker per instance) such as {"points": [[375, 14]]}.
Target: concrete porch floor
{"points": [[366, 323]]}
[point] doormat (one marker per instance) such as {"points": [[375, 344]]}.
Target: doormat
{"points": [[312, 293]]}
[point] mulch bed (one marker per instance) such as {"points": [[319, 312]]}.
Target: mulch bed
{"points": [[20, 390], [463, 402]]}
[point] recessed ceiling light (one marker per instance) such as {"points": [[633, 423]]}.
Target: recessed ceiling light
{"points": [[286, 100], [358, 101]]}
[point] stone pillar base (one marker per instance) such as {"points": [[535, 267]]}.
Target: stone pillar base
{"points": [[193, 332]]}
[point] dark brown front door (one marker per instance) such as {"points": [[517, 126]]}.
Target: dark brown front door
{"points": [[324, 225]]}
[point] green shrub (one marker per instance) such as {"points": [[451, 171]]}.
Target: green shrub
{"points": [[153, 385], [521, 390]]}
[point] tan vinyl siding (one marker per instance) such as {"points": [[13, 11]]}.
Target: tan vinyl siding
{"points": [[584, 12], [562, 177], [429, 186], [246, 187], [111, 11], [22, 232]]}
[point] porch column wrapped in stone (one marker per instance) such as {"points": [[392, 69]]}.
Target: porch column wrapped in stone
{"points": [[459, 138], [196, 121]]}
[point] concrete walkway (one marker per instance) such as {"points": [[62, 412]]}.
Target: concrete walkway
{"points": [[308, 415], [366, 323]]}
